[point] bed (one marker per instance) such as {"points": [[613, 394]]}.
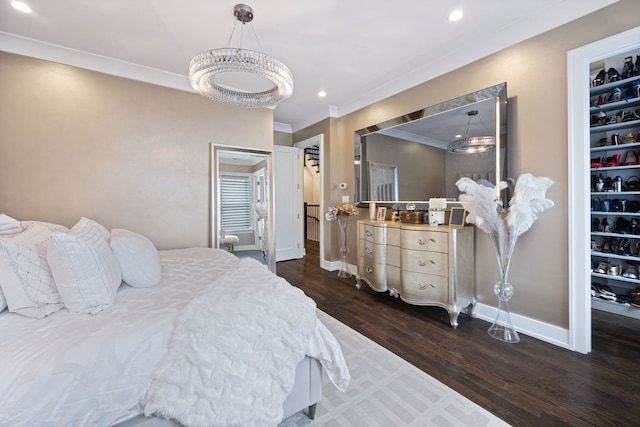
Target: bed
{"points": [[217, 340]]}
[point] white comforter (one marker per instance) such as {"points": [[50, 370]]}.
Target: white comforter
{"points": [[96, 370]]}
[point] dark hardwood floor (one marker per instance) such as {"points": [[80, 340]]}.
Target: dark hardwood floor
{"points": [[531, 383]]}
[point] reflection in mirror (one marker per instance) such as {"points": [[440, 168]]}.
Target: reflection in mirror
{"points": [[241, 208], [432, 148]]}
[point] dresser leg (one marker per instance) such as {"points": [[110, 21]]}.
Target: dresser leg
{"points": [[358, 283], [453, 318]]}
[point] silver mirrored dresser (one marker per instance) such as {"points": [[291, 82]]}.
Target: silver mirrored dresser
{"points": [[421, 264]]}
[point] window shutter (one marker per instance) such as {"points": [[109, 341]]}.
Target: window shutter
{"points": [[235, 200]]}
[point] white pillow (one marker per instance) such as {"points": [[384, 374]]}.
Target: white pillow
{"points": [[3, 301], [138, 258], [25, 276], [9, 226], [85, 270], [51, 226]]}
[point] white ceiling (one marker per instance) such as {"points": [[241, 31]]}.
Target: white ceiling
{"points": [[358, 51]]}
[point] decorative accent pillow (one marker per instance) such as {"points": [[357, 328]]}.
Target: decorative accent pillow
{"points": [[25, 277], [85, 270], [9, 226], [137, 257], [51, 226]]}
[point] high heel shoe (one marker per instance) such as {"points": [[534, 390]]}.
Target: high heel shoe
{"points": [[634, 228], [623, 226], [627, 68], [599, 79], [630, 157], [605, 226], [595, 247], [613, 75], [606, 247], [624, 248], [595, 224]]}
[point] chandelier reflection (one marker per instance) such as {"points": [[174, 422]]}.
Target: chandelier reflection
{"points": [[473, 144]]}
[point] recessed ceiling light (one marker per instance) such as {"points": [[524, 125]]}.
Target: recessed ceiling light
{"points": [[322, 94], [456, 15], [458, 136], [22, 7]]}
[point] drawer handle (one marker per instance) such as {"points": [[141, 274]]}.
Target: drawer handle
{"points": [[424, 242], [368, 250], [368, 269], [422, 263], [423, 287], [368, 233]]}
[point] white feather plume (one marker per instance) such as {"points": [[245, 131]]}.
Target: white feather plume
{"points": [[527, 203], [503, 228]]}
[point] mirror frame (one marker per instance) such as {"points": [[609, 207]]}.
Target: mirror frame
{"points": [[215, 198], [497, 92]]}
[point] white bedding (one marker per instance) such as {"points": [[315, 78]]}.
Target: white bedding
{"points": [[95, 370]]}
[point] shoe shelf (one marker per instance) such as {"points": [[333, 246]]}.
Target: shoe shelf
{"points": [[615, 193], [617, 117], [615, 168], [601, 213], [615, 307], [616, 256], [619, 235], [631, 103], [616, 126], [608, 87], [615, 147]]}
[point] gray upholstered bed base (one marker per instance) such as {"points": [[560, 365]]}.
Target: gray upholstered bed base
{"points": [[306, 393]]}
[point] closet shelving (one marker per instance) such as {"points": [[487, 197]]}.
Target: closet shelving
{"points": [[626, 106]]}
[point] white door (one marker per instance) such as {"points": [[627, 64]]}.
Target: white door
{"points": [[289, 230]]}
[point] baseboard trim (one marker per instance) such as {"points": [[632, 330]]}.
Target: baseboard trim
{"points": [[335, 265], [534, 328]]}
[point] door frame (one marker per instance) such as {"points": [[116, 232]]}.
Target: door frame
{"points": [[319, 141], [579, 218]]}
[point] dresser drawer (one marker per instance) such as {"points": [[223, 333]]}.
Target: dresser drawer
{"points": [[424, 288], [372, 251], [425, 262], [373, 272], [372, 233], [424, 240]]}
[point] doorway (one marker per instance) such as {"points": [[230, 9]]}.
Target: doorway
{"points": [[578, 61], [313, 175]]}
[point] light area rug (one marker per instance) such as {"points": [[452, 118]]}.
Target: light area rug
{"points": [[385, 390]]}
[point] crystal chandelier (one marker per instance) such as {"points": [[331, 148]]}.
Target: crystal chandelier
{"points": [[474, 144], [207, 68]]}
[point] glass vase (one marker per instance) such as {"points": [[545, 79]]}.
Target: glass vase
{"points": [[343, 222], [502, 328]]}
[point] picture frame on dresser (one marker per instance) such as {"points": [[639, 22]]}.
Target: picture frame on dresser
{"points": [[456, 217], [382, 213]]}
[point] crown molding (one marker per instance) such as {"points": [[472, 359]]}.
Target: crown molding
{"points": [[24, 46]]}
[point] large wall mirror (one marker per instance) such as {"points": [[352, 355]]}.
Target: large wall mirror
{"points": [[242, 203], [421, 155]]}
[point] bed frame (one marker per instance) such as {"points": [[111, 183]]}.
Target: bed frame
{"points": [[306, 393]]}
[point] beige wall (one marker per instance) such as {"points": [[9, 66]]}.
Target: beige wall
{"points": [[536, 74], [78, 143], [283, 138]]}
